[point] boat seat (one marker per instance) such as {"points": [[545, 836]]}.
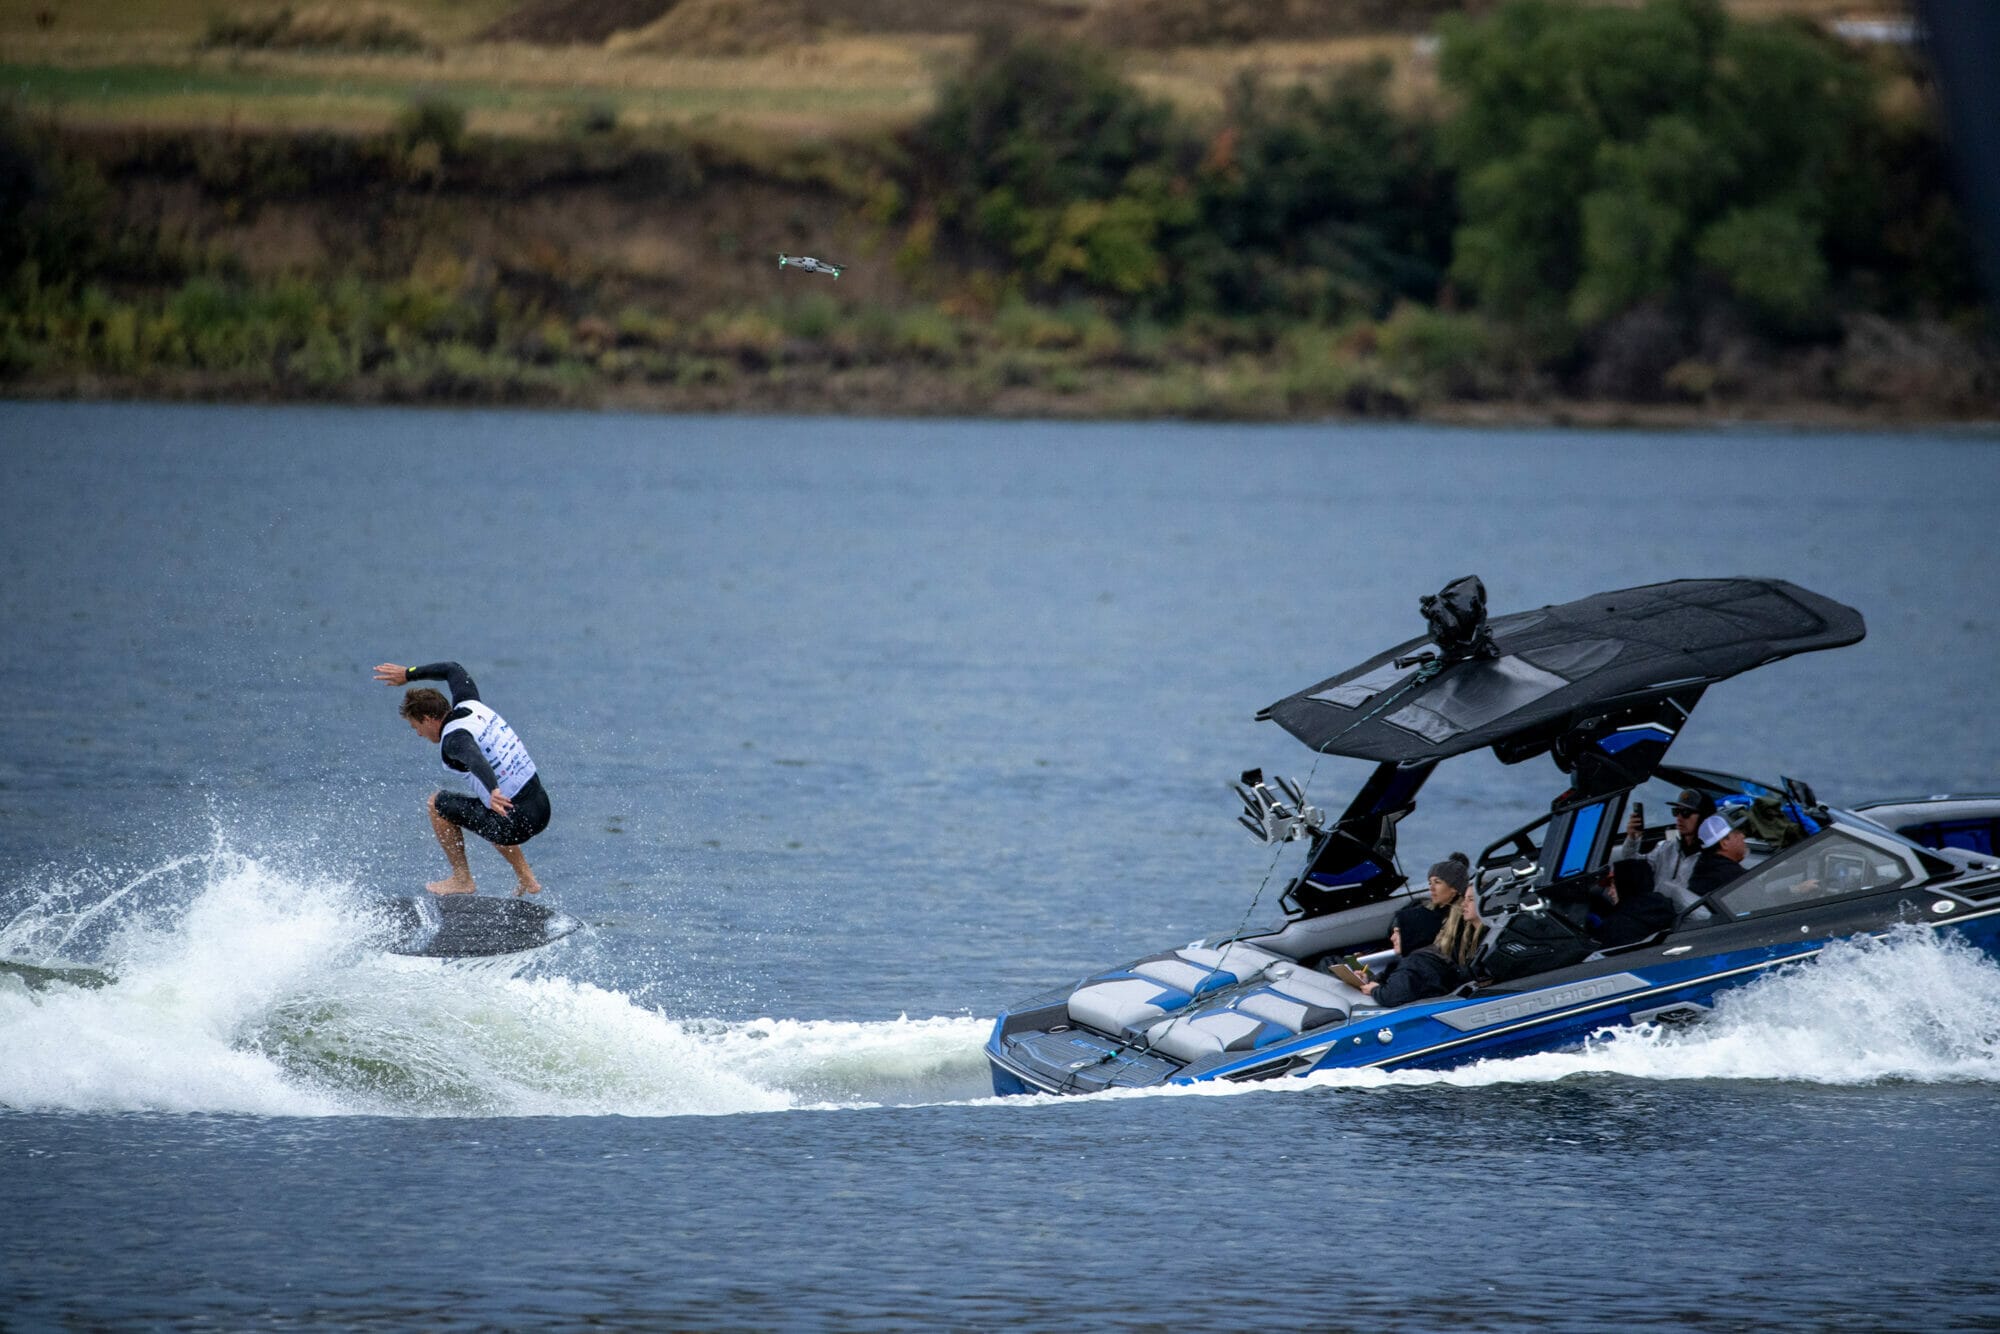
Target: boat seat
{"points": [[1280, 1008], [1137, 996]]}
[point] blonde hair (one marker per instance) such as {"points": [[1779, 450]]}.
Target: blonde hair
{"points": [[1458, 939]]}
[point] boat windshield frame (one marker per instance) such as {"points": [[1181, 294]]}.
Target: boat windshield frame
{"points": [[1919, 868]]}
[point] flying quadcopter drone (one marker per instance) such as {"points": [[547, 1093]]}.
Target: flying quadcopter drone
{"points": [[810, 265]]}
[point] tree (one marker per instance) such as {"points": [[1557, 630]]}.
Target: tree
{"points": [[1044, 154], [1617, 157], [1318, 203]]}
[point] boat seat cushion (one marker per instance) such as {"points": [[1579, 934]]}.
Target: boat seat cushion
{"points": [[1279, 1009], [1138, 995], [1122, 1004], [1196, 1036], [1288, 1013]]}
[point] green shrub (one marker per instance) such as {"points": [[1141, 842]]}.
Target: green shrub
{"points": [[928, 334], [750, 337], [1610, 153], [1318, 203], [1050, 123], [1770, 257], [325, 362], [1043, 156], [812, 316], [55, 209], [431, 119], [641, 327], [1438, 352]]}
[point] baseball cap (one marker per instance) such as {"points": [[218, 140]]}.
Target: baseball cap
{"points": [[1690, 800], [1713, 829]]}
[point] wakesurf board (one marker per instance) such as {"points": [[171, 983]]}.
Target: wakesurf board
{"points": [[40, 976], [470, 926]]}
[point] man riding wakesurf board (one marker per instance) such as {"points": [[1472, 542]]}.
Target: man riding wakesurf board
{"points": [[506, 804]]}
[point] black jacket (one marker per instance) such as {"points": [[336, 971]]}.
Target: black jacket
{"points": [[1711, 872], [1634, 918]]}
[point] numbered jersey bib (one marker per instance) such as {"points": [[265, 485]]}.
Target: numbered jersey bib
{"points": [[497, 742]]}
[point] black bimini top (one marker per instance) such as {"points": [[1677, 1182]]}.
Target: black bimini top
{"points": [[1559, 665]]}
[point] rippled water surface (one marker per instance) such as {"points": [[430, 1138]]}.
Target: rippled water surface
{"points": [[857, 732]]}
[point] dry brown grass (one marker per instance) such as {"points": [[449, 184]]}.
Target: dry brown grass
{"points": [[1197, 79], [811, 67], [725, 28], [1172, 24], [183, 21]]}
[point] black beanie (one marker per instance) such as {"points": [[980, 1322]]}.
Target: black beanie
{"points": [[1454, 871]]}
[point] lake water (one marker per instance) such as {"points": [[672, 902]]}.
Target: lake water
{"points": [[856, 732]]}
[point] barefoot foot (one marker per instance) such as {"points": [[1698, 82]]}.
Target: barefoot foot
{"points": [[457, 884], [528, 886]]}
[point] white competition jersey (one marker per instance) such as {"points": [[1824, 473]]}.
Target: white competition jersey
{"points": [[497, 742]]}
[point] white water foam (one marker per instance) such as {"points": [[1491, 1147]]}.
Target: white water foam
{"points": [[1911, 1006], [257, 991], [261, 994]]}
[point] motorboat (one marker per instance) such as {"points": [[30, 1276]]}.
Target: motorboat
{"points": [[1603, 686]]}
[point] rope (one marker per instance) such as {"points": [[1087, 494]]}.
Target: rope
{"points": [[1424, 674]]}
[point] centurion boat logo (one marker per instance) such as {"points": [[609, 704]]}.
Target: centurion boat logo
{"points": [[1540, 1002]]}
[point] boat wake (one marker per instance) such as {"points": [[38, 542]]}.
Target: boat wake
{"points": [[1909, 1007], [219, 983], [1912, 1006]]}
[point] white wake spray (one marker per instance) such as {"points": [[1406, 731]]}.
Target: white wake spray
{"points": [[253, 990], [262, 994]]}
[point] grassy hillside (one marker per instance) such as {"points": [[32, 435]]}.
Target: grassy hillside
{"points": [[558, 201], [821, 67]]}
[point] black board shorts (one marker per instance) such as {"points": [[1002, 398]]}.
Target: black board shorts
{"points": [[529, 817]]}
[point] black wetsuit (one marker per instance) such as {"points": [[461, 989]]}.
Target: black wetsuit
{"points": [[531, 812]]}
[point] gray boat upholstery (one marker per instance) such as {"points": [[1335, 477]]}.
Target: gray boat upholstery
{"points": [[1307, 937], [1133, 999], [1289, 1000]]}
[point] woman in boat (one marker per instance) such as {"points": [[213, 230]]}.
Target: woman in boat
{"points": [[1444, 963]]}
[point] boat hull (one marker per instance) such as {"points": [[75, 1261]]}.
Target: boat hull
{"points": [[1672, 981]]}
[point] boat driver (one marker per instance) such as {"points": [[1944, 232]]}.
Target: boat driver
{"points": [[1723, 848], [506, 806]]}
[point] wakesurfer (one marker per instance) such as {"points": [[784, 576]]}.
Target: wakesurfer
{"points": [[507, 805]]}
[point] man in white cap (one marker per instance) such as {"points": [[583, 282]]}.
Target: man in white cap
{"points": [[1723, 848]]}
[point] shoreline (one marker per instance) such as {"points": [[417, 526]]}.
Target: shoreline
{"points": [[1048, 406]]}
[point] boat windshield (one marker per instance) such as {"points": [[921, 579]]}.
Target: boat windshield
{"points": [[1831, 864]]}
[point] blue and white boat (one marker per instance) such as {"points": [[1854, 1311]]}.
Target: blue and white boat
{"points": [[1602, 685]]}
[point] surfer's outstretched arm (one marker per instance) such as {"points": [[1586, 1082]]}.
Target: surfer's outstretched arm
{"points": [[451, 673]]}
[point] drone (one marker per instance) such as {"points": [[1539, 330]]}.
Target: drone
{"points": [[810, 265]]}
